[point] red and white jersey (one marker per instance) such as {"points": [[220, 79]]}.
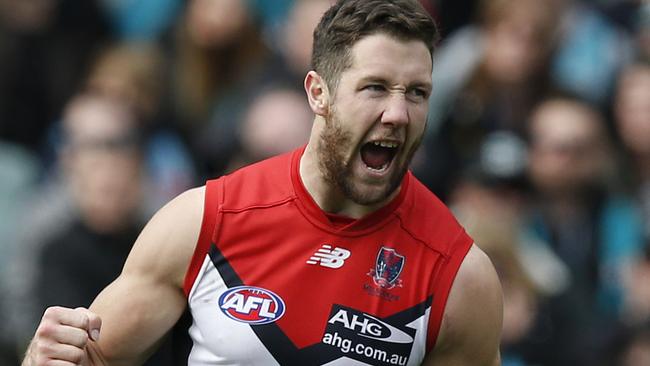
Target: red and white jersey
{"points": [[275, 280]]}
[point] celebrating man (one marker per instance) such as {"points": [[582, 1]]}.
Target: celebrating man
{"points": [[331, 254]]}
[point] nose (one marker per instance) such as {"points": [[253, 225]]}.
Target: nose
{"points": [[396, 111]]}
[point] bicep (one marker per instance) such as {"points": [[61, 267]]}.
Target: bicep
{"points": [[471, 327], [147, 299]]}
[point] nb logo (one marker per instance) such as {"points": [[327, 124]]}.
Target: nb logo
{"points": [[328, 257]]}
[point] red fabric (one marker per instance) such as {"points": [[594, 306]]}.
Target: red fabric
{"points": [[269, 226], [210, 207], [442, 286]]}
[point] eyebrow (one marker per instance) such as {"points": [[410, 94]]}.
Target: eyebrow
{"points": [[380, 80]]}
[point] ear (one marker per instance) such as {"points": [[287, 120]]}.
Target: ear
{"points": [[317, 93]]}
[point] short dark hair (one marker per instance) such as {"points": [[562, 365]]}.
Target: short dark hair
{"points": [[348, 21]]}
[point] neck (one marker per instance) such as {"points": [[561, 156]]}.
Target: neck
{"points": [[326, 194]]}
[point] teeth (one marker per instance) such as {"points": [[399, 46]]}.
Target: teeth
{"points": [[381, 168], [385, 144]]}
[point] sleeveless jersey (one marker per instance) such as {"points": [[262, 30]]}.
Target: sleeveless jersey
{"points": [[276, 281]]}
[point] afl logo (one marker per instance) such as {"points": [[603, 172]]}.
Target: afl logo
{"points": [[252, 305]]}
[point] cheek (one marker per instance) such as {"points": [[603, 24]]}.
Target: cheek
{"points": [[357, 118], [418, 120]]}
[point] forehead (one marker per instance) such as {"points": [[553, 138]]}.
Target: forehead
{"points": [[564, 122], [390, 58], [90, 119]]}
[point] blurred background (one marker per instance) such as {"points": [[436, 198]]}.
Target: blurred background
{"points": [[538, 139]]}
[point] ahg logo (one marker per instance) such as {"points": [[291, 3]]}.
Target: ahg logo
{"points": [[328, 257], [368, 326], [367, 338]]}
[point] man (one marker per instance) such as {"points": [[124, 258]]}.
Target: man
{"points": [[592, 227], [332, 254]]}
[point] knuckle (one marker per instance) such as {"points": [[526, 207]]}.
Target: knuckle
{"points": [[40, 360], [45, 330], [83, 339], [51, 312], [82, 312], [84, 319], [43, 349], [77, 337], [77, 356]]}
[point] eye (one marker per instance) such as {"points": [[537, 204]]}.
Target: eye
{"points": [[374, 88], [418, 94]]}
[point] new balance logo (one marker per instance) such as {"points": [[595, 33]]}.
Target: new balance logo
{"points": [[328, 257]]}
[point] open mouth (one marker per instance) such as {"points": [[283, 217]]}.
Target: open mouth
{"points": [[377, 155]]}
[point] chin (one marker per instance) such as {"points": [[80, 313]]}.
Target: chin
{"points": [[368, 194]]}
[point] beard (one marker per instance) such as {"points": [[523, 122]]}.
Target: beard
{"points": [[337, 169]]}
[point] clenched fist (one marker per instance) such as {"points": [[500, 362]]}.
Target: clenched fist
{"points": [[62, 337]]}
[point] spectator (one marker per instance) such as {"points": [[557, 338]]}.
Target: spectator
{"points": [[135, 74], [498, 89], [102, 166], [493, 203], [593, 230], [217, 42], [76, 192], [218, 56], [276, 121]]}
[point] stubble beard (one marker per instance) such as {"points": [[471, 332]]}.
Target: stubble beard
{"points": [[337, 169]]}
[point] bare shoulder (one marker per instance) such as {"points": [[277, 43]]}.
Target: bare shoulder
{"points": [[471, 326], [166, 244]]}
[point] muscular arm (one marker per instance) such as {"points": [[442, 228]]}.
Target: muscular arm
{"points": [[471, 326], [147, 299], [141, 305]]}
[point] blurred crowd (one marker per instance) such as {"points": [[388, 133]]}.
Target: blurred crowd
{"points": [[538, 139]]}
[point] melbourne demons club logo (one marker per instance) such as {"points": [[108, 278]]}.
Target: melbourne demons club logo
{"points": [[251, 305], [388, 267]]}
